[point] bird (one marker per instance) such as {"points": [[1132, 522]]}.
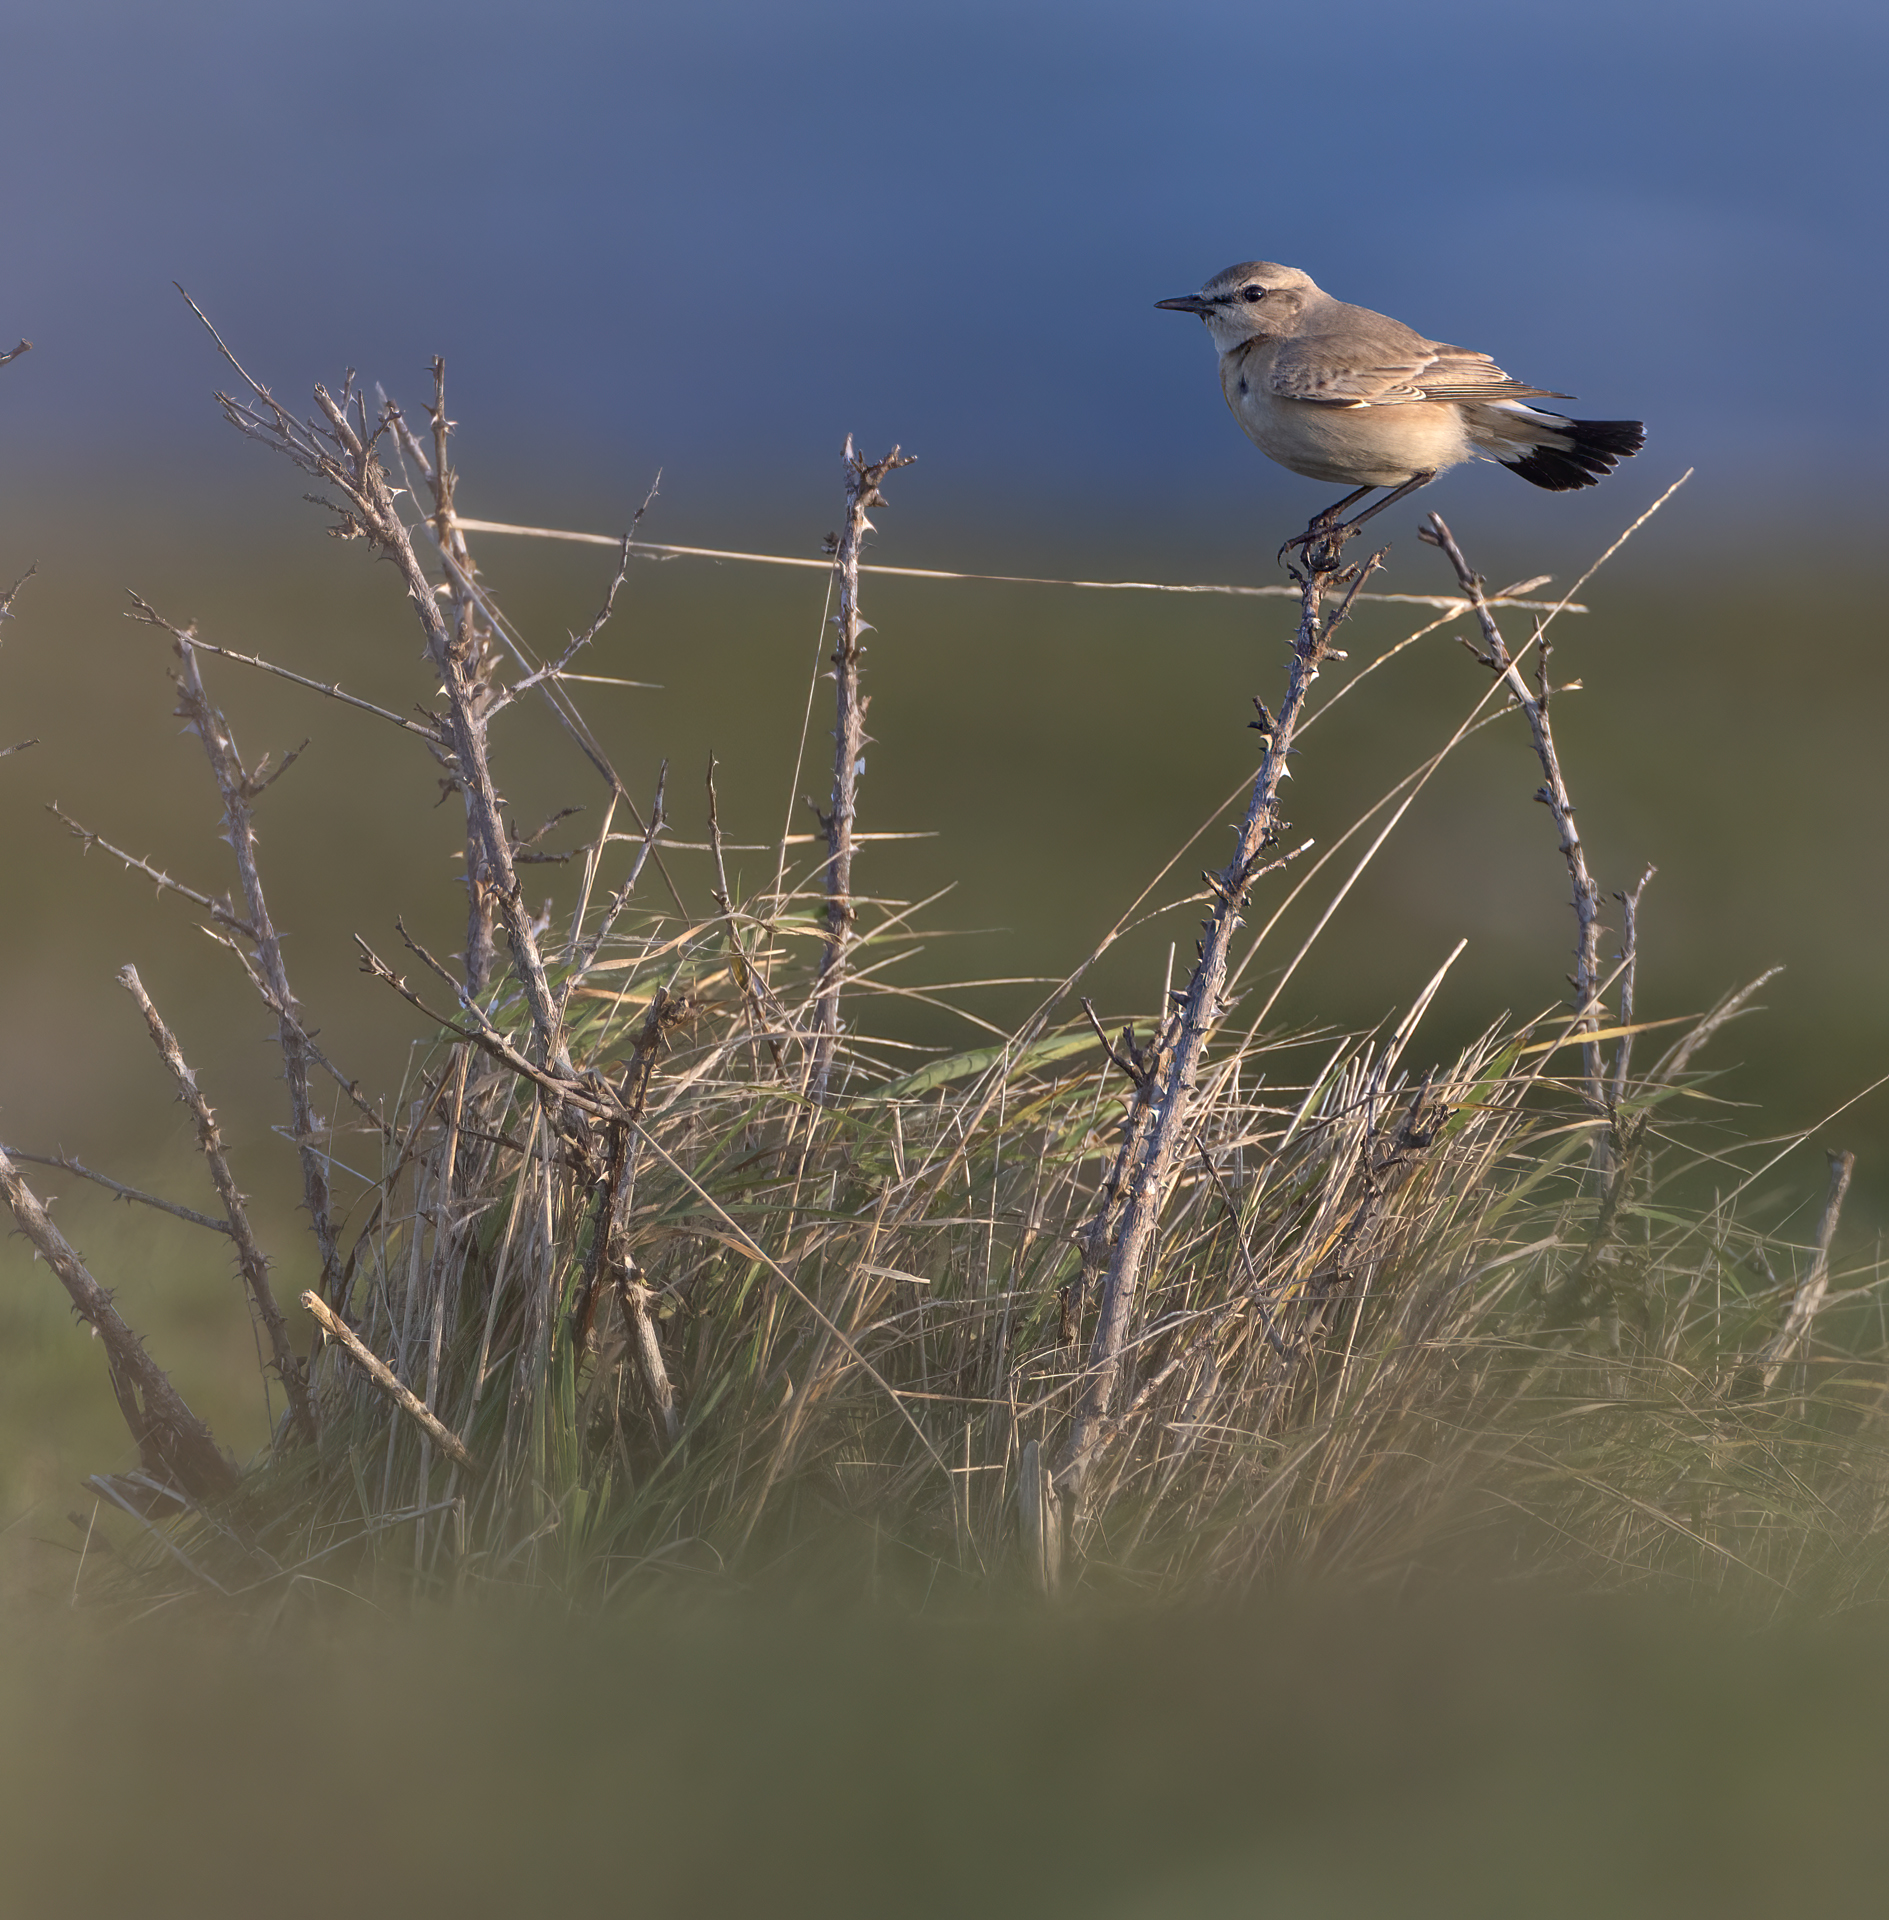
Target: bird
{"points": [[1340, 393]]}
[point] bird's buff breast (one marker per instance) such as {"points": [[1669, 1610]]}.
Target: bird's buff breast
{"points": [[1374, 446]]}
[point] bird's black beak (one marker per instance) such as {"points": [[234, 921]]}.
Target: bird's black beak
{"points": [[1187, 303]]}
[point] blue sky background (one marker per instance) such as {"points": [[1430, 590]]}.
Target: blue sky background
{"points": [[713, 238]]}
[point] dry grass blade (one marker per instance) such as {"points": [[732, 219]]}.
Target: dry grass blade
{"points": [[382, 1376]]}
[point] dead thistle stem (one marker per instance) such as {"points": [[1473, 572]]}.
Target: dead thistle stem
{"points": [[546, 678], [849, 745], [1554, 796], [1160, 1124], [249, 1255], [613, 1262]]}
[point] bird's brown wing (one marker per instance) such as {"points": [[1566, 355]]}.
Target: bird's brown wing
{"points": [[1455, 373], [1372, 361]]}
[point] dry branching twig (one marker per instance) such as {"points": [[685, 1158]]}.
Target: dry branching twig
{"points": [[240, 788], [342, 451], [65, 1163]]}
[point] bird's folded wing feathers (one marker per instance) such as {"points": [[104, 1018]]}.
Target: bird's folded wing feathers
{"points": [[1321, 369], [1454, 373]]}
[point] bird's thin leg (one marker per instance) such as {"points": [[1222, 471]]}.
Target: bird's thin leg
{"points": [[1324, 540], [1331, 514], [1390, 499]]}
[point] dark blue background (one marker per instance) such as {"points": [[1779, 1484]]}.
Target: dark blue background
{"points": [[712, 238]]}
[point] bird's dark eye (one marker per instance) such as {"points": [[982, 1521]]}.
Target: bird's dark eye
{"points": [[1252, 293]]}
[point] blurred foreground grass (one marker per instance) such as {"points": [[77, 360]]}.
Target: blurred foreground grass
{"points": [[1461, 1752]]}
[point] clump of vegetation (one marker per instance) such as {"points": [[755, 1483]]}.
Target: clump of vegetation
{"points": [[668, 1274]]}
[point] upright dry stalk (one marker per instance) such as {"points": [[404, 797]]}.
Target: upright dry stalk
{"points": [[474, 646], [172, 1442], [1816, 1283], [849, 745], [1162, 1118], [1553, 795], [249, 1256], [1629, 969], [239, 789]]}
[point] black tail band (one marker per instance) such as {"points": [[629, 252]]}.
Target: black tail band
{"points": [[1598, 446]]}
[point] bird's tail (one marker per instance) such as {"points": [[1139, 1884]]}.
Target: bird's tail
{"points": [[1574, 453]]}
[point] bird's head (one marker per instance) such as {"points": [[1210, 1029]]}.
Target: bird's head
{"points": [[1256, 300]]}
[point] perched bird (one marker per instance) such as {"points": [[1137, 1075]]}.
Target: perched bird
{"points": [[1340, 393]]}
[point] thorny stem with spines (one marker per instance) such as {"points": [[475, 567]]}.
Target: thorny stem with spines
{"points": [[863, 478], [1553, 794], [472, 647], [1809, 1297], [239, 788], [249, 1256], [1160, 1127]]}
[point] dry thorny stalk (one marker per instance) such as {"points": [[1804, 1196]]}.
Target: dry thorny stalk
{"points": [[664, 1266], [1161, 1130], [863, 478]]}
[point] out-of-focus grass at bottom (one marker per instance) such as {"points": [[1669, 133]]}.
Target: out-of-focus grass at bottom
{"points": [[1470, 1752]]}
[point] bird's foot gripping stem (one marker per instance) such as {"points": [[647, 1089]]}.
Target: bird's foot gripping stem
{"points": [[1322, 544]]}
